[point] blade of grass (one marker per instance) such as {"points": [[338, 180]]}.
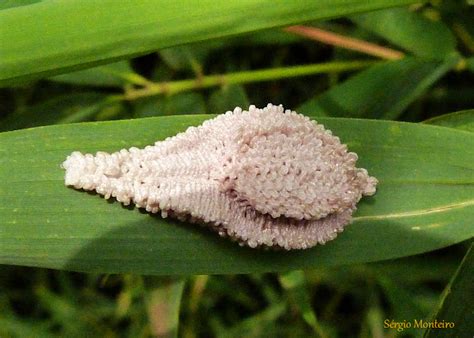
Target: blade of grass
{"points": [[470, 64], [411, 31], [463, 120], [382, 91], [82, 33], [424, 202], [256, 325], [294, 283], [77, 107], [183, 103], [456, 302], [111, 75]]}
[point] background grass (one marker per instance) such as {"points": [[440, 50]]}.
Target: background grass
{"points": [[425, 72]]}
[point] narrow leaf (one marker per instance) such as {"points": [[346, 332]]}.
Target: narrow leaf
{"points": [[463, 120], [470, 64], [77, 34], [58, 109], [227, 98], [411, 31], [456, 303], [183, 103], [424, 202], [382, 91], [294, 282], [257, 325], [111, 75]]}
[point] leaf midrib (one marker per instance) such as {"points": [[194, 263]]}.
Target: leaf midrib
{"points": [[420, 212]]}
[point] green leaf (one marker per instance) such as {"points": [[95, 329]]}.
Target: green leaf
{"points": [[77, 34], [294, 283], [188, 57], [383, 91], [5, 4], [60, 109], [227, 98], [192, 56], [111, 75], [411, 31], [184, 103], [403, 301], [416, 270], [463, 120], [257, 325], [424, 202], [470, 64], [456, 302]]}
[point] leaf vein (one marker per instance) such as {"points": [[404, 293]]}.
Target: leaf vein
{"points": [[422, 212]]}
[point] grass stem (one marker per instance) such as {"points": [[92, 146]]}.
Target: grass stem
{"points": [[207, 81]]}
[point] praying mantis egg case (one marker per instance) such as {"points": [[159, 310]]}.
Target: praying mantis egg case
{"points": [[264, 177]]}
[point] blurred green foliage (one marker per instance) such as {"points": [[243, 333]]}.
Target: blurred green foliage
{"points": [[434, 78]]}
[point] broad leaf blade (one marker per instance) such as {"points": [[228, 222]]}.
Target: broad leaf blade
{"points": [[424, 202], [78, 34]]}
